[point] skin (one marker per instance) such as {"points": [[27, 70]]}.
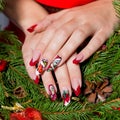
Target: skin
{"points": [[24, 17], [68, 29], [58, 33]]}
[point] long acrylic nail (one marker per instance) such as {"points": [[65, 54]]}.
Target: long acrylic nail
{"points": [[41, 66], [36, 80], [66, 97], [77, 91], [33, 63], [32, 28], [53, 95], [54, 64]]}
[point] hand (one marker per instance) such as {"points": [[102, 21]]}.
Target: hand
{"points": [[68, 75], [66, 30]]}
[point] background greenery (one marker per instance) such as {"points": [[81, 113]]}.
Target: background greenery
{"points": [[105, 63]]}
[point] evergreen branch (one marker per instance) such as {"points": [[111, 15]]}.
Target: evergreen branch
{"points": [[104, 63], [2, 4], [116, 4]]}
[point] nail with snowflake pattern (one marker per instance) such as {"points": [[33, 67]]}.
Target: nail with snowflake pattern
{"points": [[54, 64], [41, 67], [52, 92], [66, 97]]}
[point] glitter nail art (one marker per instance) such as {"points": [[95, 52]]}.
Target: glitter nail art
{"points": [[55, 63], [53, 95], [41, 66], [66, 97]]}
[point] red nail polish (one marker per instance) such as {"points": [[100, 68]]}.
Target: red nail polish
{"points": [[31, 29], [77, 91], [33, 63], [78, 60], [75, 61], [36, 80]]}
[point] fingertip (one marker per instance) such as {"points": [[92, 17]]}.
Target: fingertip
{"points": [[33, 62], [52, 91], [77, 91], [78, 59], [37, 79], [32, 28], [66, 96]]}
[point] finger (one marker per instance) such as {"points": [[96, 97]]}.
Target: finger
{"points": [[95, 43], [75, 76], [43, 24], [38, 49], [27, 56], [55, 42], [63, 79], [53, 45], [76, 39], [29, 46], [50, 86], [50, 32], [41, 46]]}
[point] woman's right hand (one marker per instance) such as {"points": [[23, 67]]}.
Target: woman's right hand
{"points": [[68, 75]]}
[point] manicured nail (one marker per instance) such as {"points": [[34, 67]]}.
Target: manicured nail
{"points": [[41, 66], [54, 64], [77, 91], [36, 80], [66, 97], [32, 28], [77, 61], [53, 95], [33, 63]]}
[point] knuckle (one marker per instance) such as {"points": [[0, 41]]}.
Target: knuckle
{"points": [[81, 31], [62, 31]]}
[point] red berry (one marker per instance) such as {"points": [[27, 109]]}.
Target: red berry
{"points": [[3, 65], [17, 116], [32, 114]]}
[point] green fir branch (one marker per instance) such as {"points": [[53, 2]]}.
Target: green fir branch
{"points": [[2, 4], [116, 4], [103, 64]]}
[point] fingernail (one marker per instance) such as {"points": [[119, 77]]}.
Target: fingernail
{"points": [[54, 64], [66, 97], [77, 91], [53, 95], [78, 60], [41, 67], [31, 29], [36, 80], [33, 63]]}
